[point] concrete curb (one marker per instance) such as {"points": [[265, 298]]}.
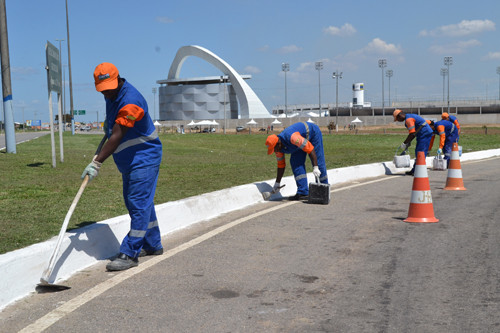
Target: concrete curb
{"points": [[21, 270]]}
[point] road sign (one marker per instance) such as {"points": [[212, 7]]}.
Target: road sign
{"points": [[53, 68], [80, 112]]}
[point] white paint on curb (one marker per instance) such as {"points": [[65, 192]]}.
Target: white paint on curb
{"points": [[21, 269]]}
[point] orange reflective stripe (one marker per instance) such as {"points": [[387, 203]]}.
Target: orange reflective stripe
{"points": [[129, 114], [301, 142], [457, 124], [410, 125], [280, 158]]}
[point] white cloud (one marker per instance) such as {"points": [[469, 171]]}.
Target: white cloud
{"points": [[164, 19], [492, 56], [464, 28], [455, 48], [252, 69], [378, 46], [289, 49], [345, 30]]}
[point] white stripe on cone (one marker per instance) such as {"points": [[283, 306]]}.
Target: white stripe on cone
{"points": [[454, 173], [420, 171], [421, 197]]}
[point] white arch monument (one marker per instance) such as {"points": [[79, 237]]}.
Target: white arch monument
{"points": [[250, 105]]}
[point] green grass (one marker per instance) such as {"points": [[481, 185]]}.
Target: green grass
{"points": [[34, 197]]}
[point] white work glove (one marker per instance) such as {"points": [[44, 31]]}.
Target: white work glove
{"points": [[316, 171], [403, 146], [92, 169], [439, 151], [276, 188]]}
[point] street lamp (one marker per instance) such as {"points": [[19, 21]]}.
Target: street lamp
{"points": [[382, 63], [337, 75], [389, 73], [319, 67], [285, 67], [498, 72], [154, 102], [444, 72], [448, 61]]}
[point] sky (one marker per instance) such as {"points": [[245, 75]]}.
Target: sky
{"points": [[255, 37]]}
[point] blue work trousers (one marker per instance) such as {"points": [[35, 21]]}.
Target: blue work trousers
{"points": [[298, 164], [139, 186], [448, 146], [423, 143]]}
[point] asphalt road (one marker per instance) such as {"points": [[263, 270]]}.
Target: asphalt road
{"points": [[22, 137], [351, 266]]}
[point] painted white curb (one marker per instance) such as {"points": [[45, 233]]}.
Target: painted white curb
{"points": [[20, 270]]}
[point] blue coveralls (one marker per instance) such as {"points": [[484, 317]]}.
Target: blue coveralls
{"points": [[312, 133], [423, 136], [138, 159], [454, 121], [451, 134]]}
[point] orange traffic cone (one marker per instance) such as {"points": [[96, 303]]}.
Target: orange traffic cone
{"points": [[454, 180], [421, 208]]}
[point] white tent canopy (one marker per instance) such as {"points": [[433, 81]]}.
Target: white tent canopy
{"points": [[276, 122], [357, 120], [205, 122], [310, 120], [157, 123], [252, 122], [192, 123]]}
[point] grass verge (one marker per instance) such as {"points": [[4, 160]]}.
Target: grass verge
{"points": [[34, 197]]}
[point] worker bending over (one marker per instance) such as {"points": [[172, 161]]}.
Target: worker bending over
{"points": [[448, 134], [417, 128], [299, 140]]}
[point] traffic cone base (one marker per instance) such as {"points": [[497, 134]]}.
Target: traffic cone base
{"points": [[454, 181], [421, 208]]}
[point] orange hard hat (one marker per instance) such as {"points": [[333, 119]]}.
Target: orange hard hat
{"points": [[271, 142], [445, 115]]}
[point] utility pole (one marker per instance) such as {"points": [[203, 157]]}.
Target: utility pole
{"points": [[71, 110], [10, 134]]}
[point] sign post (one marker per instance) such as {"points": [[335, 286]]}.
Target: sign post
{"points": [[54, 82]]}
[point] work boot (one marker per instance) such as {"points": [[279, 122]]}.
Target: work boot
{"points": [[298, 197], [144, 253], [122, 262]]}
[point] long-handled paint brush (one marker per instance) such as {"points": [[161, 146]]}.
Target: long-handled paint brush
{"points": [[267, 195]]}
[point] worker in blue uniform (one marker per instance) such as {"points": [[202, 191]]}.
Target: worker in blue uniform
{"points": [[137, 152], [448, 134], [299, 140], [417, 128]]}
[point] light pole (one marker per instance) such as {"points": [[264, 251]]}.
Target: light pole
{"points": [[319, 67], [154, 102], [389, 73], [444, 72], [224, 88], [285, 67], [71, 110], [498, 72], [337, 75], [382, 63], [448, 61]]}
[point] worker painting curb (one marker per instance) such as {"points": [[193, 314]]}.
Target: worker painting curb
{"points": [[21, 269]]}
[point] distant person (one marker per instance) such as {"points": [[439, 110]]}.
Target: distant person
{"points": [[417, 128], [454, 120], [299, 140], [448, 134], [137, 152]]}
